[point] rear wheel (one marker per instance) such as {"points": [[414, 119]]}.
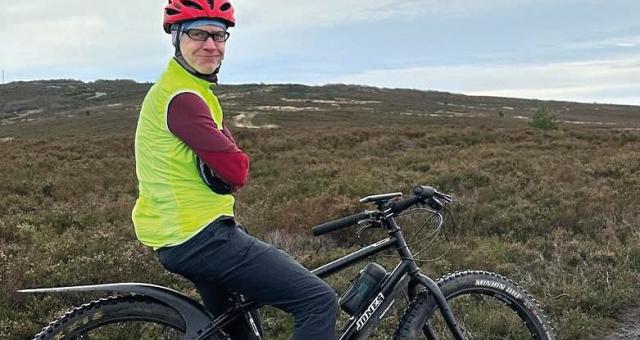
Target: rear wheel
{"points": [[118, 317], [485, 305]]}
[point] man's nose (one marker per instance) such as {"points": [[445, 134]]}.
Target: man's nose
{"points": [[210, 44]]}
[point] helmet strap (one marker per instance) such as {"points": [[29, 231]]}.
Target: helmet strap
{"points": [[212, 78]]}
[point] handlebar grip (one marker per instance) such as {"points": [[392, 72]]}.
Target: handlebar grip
{"points": [[339, 223], [402, 205], [424, 191]]}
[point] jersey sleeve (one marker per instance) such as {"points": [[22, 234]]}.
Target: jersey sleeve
{"points": [[189, 118], [228, 133]]}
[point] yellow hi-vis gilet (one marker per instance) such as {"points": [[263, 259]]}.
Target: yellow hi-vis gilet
{"points": [[174, 203]]}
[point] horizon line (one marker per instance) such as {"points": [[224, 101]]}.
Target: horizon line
{"points": [[333, 84]]}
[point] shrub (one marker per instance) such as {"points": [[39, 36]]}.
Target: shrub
{"points": [[544, 119]]}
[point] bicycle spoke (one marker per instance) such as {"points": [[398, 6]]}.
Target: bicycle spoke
{"points": [[130, 330], [482, 317]]}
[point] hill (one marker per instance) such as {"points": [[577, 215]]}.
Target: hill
{"points": [[54, 102]]}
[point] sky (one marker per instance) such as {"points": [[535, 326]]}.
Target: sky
{"points": [[576, 50]]}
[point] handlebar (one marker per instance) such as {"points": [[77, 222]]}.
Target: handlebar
{"points": [[340, 223], [402, 205], [425, 194]]}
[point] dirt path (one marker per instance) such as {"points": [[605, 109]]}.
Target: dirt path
{"points": [[246, 121], [630, 327]]}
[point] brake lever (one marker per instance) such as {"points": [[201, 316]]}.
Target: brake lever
{"points": [[366, 224], [435, 204], [448, 199]]}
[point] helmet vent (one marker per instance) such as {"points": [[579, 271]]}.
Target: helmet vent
{"points": [[225, 6], [192, 5], [210, 2], [171, 11]]}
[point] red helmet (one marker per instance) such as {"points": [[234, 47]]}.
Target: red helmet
{"points": [[182, 10]]}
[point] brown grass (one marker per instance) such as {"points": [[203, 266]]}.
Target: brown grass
{"points": [[557, 212]]}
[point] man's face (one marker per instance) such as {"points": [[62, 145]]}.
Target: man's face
{"points": [[204, 56]]}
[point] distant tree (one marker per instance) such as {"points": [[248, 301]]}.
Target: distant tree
{"points": [[544, 119]]}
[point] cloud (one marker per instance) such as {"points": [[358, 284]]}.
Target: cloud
{"points": [[279, 13], [82, 33], [303, 41], [620, 41], [307, 13], [614, 80], [75, 33], [92, 33]]}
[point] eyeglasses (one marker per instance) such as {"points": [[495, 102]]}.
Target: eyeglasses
{"points": [[200, 35]]}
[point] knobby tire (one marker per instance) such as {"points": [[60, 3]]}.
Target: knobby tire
{"points": [[467, 292], [118, 317]]}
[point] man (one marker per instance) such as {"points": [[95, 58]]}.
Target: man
{"points": [[188, 164]]}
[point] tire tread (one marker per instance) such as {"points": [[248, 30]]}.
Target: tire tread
{"points": [[415, 308]]}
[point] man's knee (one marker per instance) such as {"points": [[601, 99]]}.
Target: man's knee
{"points": [[326, 299]]}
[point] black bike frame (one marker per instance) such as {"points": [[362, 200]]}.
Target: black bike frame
{"points": [[360, 326]]}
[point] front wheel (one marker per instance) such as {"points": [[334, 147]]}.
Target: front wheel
{"points": [[119, 317], [486, 306]]}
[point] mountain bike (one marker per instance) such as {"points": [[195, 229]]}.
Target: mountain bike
{"points": [[471, 304]]}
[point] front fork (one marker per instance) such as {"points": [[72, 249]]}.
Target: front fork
{"points": [[441, 301]]}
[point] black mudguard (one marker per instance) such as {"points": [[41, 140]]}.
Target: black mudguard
{"points": [[195, 316]]}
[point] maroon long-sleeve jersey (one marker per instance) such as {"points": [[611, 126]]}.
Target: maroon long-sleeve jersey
{"points": [[189, 118]]}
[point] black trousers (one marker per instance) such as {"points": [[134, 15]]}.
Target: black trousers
{"points": [[223, 258]]}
